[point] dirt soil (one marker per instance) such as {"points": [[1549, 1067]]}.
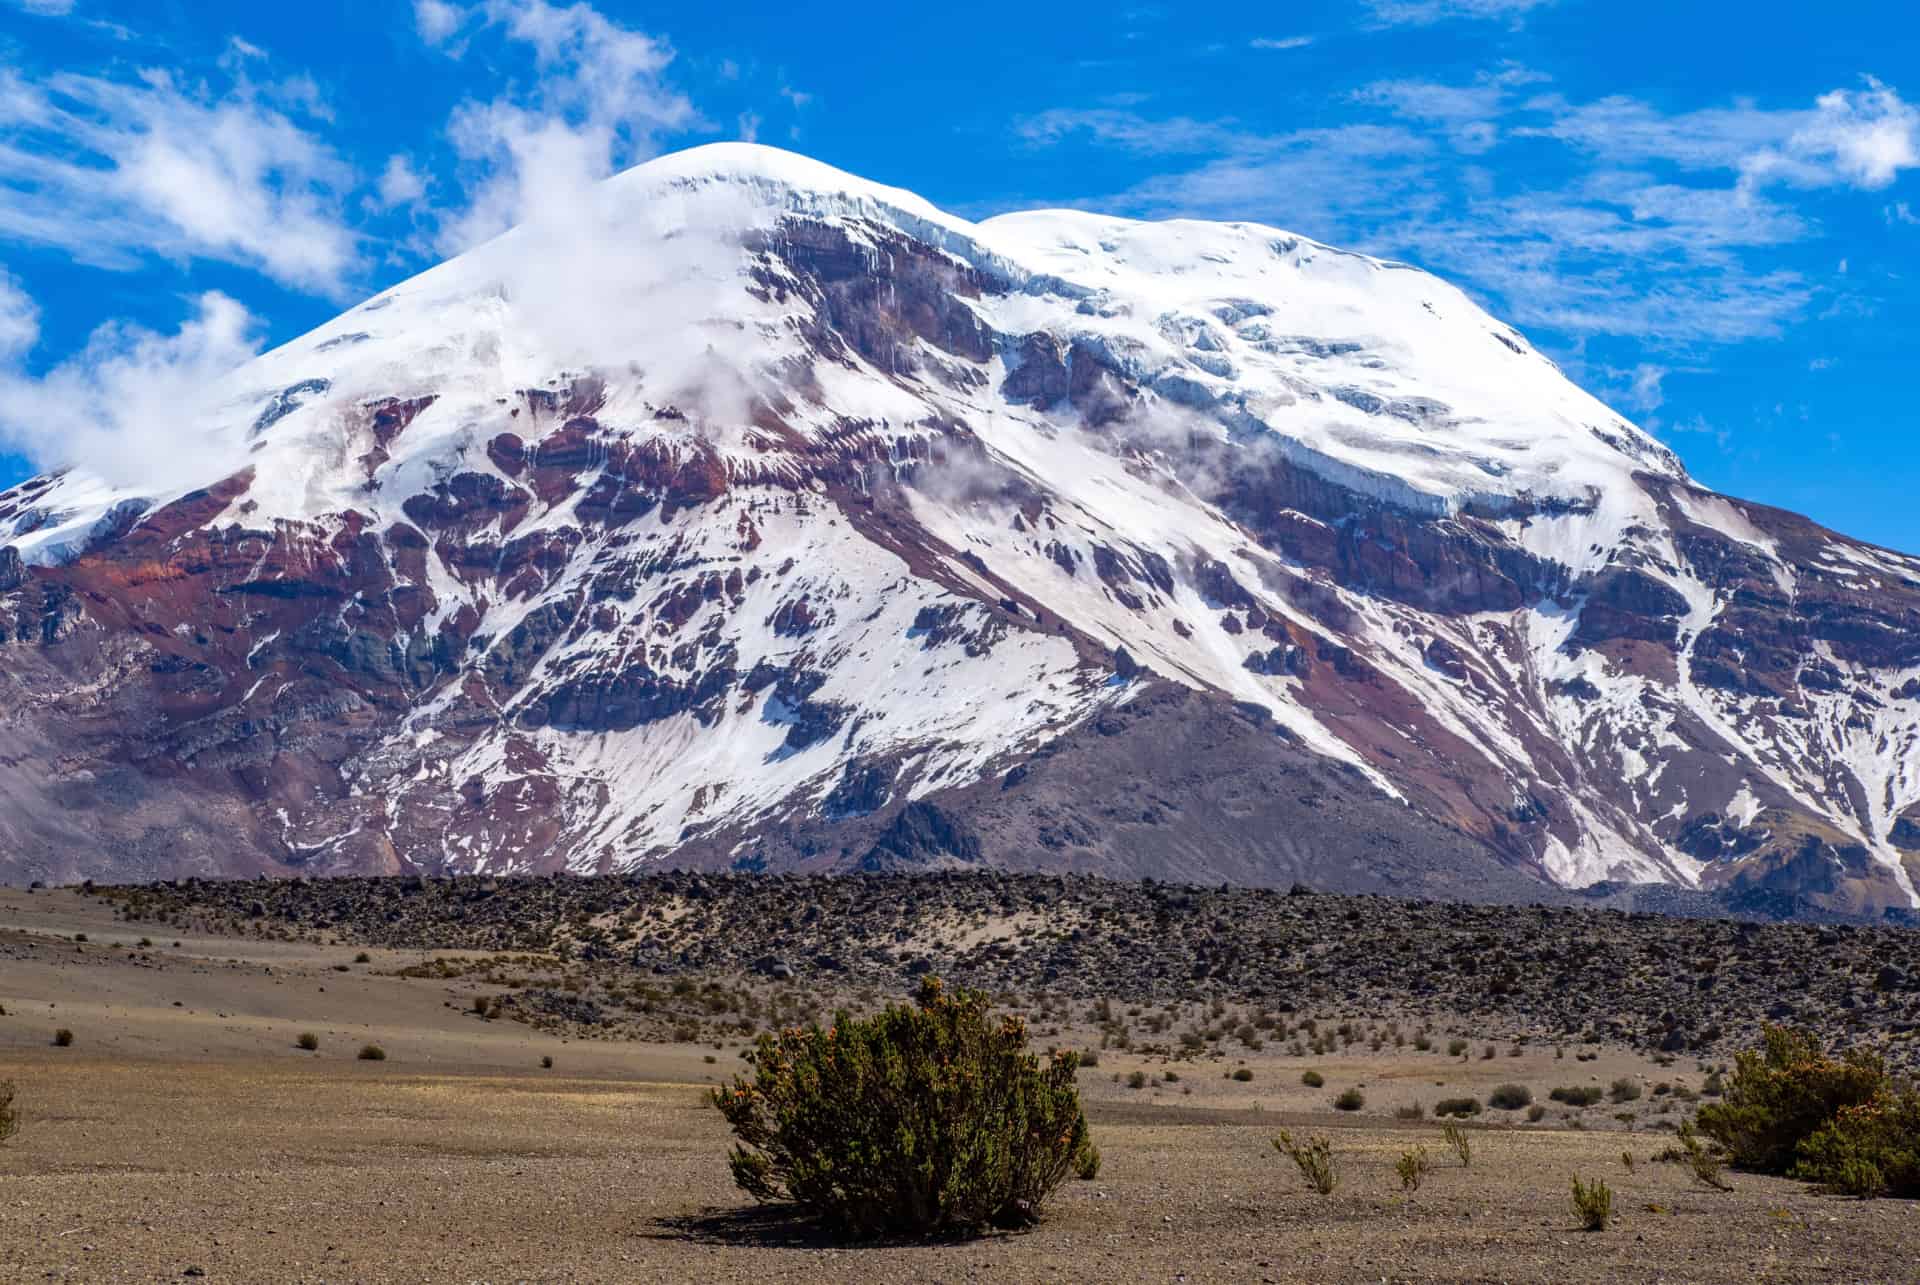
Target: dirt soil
{"points": [[184, 1135]]}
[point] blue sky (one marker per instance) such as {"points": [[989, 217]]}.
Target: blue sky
{"points": [[1708, 213]]}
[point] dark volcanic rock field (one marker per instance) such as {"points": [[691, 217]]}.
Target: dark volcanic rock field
{"points": [[1677, 985]]}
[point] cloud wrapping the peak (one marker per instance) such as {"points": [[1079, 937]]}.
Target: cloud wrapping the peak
{"points": [[600, 103], [131, 405]]}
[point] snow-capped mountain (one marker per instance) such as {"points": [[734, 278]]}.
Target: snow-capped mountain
{"points": [[760, 515]]}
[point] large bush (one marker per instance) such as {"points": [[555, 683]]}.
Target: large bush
{"points": [[933, 1117], [1867, 1150], [1783, 1093]]}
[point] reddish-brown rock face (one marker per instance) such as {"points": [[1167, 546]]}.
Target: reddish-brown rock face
{"points": [[935, 517]]}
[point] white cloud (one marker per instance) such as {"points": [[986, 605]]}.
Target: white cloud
{"points": [[1132, 132], [1853, 138], [1862, 138], [437, 20], [113, 170], [400, 184], [130, 406], [1423, 13], [1645, 393], [19, 321], [51, 8], [601, 102], [1633, 242], [749, 127], [1281, 42]]}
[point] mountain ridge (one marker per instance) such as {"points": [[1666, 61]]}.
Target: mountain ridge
{"points": [[755, 500]]}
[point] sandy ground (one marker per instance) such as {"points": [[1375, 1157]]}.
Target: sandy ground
{"points": [[184, 1136]]}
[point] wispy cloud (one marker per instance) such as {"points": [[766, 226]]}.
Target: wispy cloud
{"points": [[1650, 229], [1280, 42], [1424, 13], [600, 102], [114, 170], [130, 406], [1130, 131], [1850, 137]]}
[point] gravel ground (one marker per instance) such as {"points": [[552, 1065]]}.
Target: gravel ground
{"points": [[183, 1132]]}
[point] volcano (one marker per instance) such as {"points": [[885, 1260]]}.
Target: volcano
{"points": [[755, 516]]}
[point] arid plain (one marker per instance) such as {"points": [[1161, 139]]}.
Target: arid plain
{"points": [[184, 1134]]}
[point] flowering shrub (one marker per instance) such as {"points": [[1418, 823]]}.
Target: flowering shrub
{"points": [[1783, 1093], [1872, 1149], [924, 1118]]}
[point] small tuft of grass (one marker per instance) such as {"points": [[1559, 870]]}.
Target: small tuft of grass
{"points": [[1086, 1162], [63, 1038], [1313, 1079], [1313, 1157], [1593, 1204], [372, 1053], [9, 1113], [308, 1041], [546, 1062], [1349, 1100], [1460, 1142], [1460, 1108], [1413, 1167], [1243, 1074]]}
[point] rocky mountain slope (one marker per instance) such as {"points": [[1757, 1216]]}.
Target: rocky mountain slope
{"points": [[759, 516]]}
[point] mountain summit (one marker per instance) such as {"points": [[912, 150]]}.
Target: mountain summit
{"points": [[753, 515]]}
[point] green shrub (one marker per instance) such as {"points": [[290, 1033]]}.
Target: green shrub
{"points": [[1413, 1167], [1624, 1089], [1593, 1205], [546, 1062], [1137, 1080], [1412, 1111], [363, 958], [929, 1117], [1510, 1097], [1536, 1113], [1243, 1073], [1090, 1057], [372, 1053], [1456, 1047], [9, 1113], [1578, 1095], [1313, 1157], [1086, 1162], [1458, 1140], [308, 1041], [1784, 1092], [1349, 1100], [63, 1038], [1868, 1150], [1313, 1079], [1461, 1107]]}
